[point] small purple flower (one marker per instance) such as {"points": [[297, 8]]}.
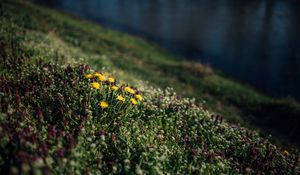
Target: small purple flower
{"points": [[43, 149], [60, 153], [52, 132]]}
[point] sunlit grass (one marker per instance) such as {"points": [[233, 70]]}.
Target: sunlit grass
{"points": [[61, 116]]}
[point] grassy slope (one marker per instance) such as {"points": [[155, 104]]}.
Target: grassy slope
{"points": [[47, 124], [133, 58], [63, 39]]}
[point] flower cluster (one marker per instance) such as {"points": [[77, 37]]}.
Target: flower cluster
{"points": [[109, 94], [108, 99]]}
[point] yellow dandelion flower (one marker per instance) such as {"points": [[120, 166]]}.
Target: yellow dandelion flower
{"points": [[139, 97], [103, 104], [100, 76], [132, 91], [95, 85], [129, 90], [88, 76], [97, 74], [133, 101], [114, 88], [111, 80], [121, 98], [286, 153]]}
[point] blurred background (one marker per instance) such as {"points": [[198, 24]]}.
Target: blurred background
{"points": [[254, 41]]}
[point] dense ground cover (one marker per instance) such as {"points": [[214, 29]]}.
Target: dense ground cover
{"points": [[73, 120], [55, 118], [62, 39]]}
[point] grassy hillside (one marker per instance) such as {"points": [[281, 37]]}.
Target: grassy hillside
{"points": [[64, 40], [52, 119]]}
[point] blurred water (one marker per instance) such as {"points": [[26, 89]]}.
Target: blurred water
{"points": [[254, 41]]}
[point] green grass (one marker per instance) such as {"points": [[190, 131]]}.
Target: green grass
{"points": [[62, 39], [59, 38], [65, 40], [50, 122]]}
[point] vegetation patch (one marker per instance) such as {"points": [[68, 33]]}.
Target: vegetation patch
{"points": [[60, 116], [74, 120]]}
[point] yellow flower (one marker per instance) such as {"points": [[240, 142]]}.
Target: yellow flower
{"points": [[121, 98], [88, 76], [111, 80], [95, 85], [286, 153], [129, 90], [100, 76], [133, 101], [139, 97], [103, 104], [114, 88], [96, 74]]}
